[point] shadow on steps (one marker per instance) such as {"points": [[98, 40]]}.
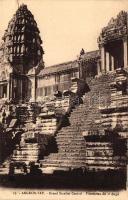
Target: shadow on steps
{"points": [[89, 181]]}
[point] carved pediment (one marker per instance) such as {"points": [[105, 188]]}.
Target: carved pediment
{"points": [[111, 22], [116, 28]]}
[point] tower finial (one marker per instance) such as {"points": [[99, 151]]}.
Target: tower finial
{"points": [[82, 52], [17, 3]]}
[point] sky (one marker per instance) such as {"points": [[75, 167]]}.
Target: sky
{"points": [[66, 26]]}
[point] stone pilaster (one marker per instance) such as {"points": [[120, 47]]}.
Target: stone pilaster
{"points": [[8, 88], [112, 63], [33, 93], [107, 62], [98, 68], [102, 59], [33, 80]]}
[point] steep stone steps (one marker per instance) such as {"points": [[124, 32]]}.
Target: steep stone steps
{"points": [[61, 139], [26, 153], [73, 149], [63, 154], [70, 141]]}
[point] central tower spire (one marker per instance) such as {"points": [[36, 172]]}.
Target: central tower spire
{"points": [[23, 53], [22, 41]]}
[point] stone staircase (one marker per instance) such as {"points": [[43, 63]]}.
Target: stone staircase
{"points": [[84, 119], [24, 151], [76, 147], [36, 137], [4, 167], [115, 116]]}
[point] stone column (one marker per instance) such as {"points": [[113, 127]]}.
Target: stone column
{"points": [[107, 62], [125, 45], [33, 92], [8, 88], [102, 59], [98, 68], [112, 63], [33, 88]]}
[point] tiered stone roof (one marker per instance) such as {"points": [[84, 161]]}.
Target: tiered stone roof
{"points": [[22, 39], [67, 66], [59, 68], [116, 28]]}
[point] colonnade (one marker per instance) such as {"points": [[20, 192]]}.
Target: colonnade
{"points": [[107, 60]]}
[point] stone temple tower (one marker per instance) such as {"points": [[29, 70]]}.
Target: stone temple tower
{"points": [[20, 57]]}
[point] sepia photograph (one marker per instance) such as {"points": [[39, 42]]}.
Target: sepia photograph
{"points": [[63, 99]]}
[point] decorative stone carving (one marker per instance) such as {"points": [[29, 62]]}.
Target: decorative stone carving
{"points": [[116, 28], [121, 79], [21, 47]]}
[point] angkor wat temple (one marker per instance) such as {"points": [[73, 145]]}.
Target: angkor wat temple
{"points": [[67, 118]]}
